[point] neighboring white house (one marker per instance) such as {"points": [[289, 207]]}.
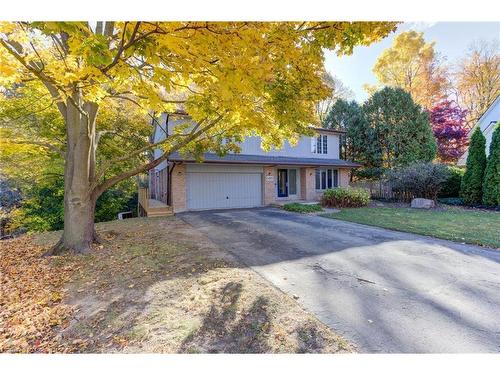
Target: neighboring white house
{"points": [[250, 178], [487, 124]]}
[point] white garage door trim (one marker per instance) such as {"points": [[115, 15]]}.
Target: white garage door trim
{"points": [[214, 189]]}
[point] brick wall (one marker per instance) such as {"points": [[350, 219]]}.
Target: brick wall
{"points": [[344, 177], [269, 185], [303, 192], [179, 188], [309, 183]]}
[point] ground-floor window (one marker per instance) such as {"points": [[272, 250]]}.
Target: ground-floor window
{"points": [[326, 178]]}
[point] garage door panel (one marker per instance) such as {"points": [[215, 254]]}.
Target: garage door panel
{"points": [[223, 190]]}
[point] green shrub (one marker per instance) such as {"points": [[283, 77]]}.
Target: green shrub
{"points": [[421, 180], [451, 187], [345, 197], [42, 207], [491, 184], [471, 189], [451, 201], [302, 208]]}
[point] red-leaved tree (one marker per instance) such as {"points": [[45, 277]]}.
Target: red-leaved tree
{"points": [[448, 124]]}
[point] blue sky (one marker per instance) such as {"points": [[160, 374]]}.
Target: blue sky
{"points": [[452, 40]]}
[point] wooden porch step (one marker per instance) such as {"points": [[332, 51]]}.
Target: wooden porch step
{"points": [[158, 214], [157, 208]]}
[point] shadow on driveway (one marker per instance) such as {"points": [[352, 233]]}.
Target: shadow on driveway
{"points": [[384, 290]]}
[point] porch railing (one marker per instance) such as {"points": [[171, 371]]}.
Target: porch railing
{"points": [[143, 198]]}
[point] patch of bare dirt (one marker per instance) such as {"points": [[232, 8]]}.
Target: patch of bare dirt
{"points": [[159, 286]]}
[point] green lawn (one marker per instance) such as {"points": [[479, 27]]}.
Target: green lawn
{"points": [[456, 224]]}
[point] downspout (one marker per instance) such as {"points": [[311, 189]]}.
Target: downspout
{"points": [[170, 170], [169, 191]]}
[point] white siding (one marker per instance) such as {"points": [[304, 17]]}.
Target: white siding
{"points": [[159, 135], [214, 168], [251, 146], [487, 125]]}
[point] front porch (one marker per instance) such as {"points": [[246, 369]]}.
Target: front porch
{"points": [[298, 184], [151, 207]]}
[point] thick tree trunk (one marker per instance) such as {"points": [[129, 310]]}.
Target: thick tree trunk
{"points": [[79, 174], [79, 233]]}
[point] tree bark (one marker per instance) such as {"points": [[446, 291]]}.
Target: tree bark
{"points": [[79, 174], [81, 183]]}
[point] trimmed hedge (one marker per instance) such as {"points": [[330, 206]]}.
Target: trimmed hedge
{"points": [[302, 208], [345, 197]]}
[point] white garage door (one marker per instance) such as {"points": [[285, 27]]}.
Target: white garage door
{"points": [[207, 190]]}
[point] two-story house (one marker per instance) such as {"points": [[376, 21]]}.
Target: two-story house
{"points": [[487, 124], [252, 177]]}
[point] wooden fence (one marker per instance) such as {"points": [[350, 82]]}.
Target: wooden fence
{"points": [[380, 189]]}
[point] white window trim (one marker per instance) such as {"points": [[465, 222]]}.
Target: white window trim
{"points": [[319, 144], [326, 181], [313, 145]]}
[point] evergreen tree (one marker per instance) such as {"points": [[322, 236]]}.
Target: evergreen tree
{"points": [[359, 143], [402, 128], [491, 184], [471, 189]]}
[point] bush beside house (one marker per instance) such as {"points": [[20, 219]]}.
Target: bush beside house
{"points": [[471, 189], [345, 197], [420, 180], [302, 208], [491, 184]]}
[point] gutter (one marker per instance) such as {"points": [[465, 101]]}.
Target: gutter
{"points": [[302, 164]]}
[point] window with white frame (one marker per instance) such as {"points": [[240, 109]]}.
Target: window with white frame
{"points": [[326, 178], [319, 145]]}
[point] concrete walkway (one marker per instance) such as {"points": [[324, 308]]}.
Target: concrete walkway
{"points": [[383, 290]]}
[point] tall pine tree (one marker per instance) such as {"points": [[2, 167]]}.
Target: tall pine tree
{"points": [[471, 189], [401, 126], [491, 184]]}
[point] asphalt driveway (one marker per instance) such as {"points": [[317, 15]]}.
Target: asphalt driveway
{"points": [[383, 290]]}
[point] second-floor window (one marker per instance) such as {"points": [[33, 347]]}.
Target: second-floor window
{"points": [[319, 145]]}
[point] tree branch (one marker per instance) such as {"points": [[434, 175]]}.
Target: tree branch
{"points": [[99, 189], [46, 145], [51, 86], [143, 149]]}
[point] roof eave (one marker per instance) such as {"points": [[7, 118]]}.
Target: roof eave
{"points": [[269, 163]]}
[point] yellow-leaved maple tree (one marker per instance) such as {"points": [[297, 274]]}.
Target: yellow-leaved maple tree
{"points": [[232, 78], [413, 65]]}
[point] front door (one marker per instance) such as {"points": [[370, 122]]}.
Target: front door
{"points": [[282, 183]]}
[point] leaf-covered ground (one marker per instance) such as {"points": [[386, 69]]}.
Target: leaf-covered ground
{"points": [[156, 285], [31, 294]]}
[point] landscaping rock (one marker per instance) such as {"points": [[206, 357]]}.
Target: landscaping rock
{"points": [[422, 203]]}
